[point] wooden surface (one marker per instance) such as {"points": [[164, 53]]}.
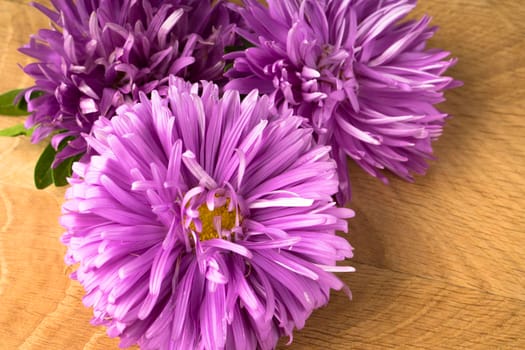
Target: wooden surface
{"points": [[440, 263]]}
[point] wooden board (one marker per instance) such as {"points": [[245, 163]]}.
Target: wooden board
{"points": [[440, 263]]}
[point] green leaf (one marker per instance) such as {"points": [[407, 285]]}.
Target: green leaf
{"points": [[43, 172], [242, 45], [63, 171], [227, 67], [7, 106], [16, 130], [46, 175]]}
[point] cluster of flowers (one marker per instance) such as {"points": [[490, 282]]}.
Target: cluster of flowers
{"points": [[212, 142]]}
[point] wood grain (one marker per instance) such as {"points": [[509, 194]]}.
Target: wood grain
{"points": [[440, 263]]}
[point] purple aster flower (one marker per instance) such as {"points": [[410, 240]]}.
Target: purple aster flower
{"points": [[364, 79], [202, 223], [101, 53]]}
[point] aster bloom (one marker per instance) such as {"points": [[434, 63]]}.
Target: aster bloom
{"points": [[364, 79], [204, 223], [101, 53]]}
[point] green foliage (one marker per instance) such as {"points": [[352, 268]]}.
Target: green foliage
{"points": [[16, 130], [46, 175], [8, 106], [43, 171]]}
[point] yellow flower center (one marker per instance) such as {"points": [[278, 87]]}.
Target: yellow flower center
{"points": [[207, 219]]}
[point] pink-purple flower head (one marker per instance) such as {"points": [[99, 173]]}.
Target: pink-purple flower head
{"points": [[364, 78], [101, 53], [203, 222]]}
